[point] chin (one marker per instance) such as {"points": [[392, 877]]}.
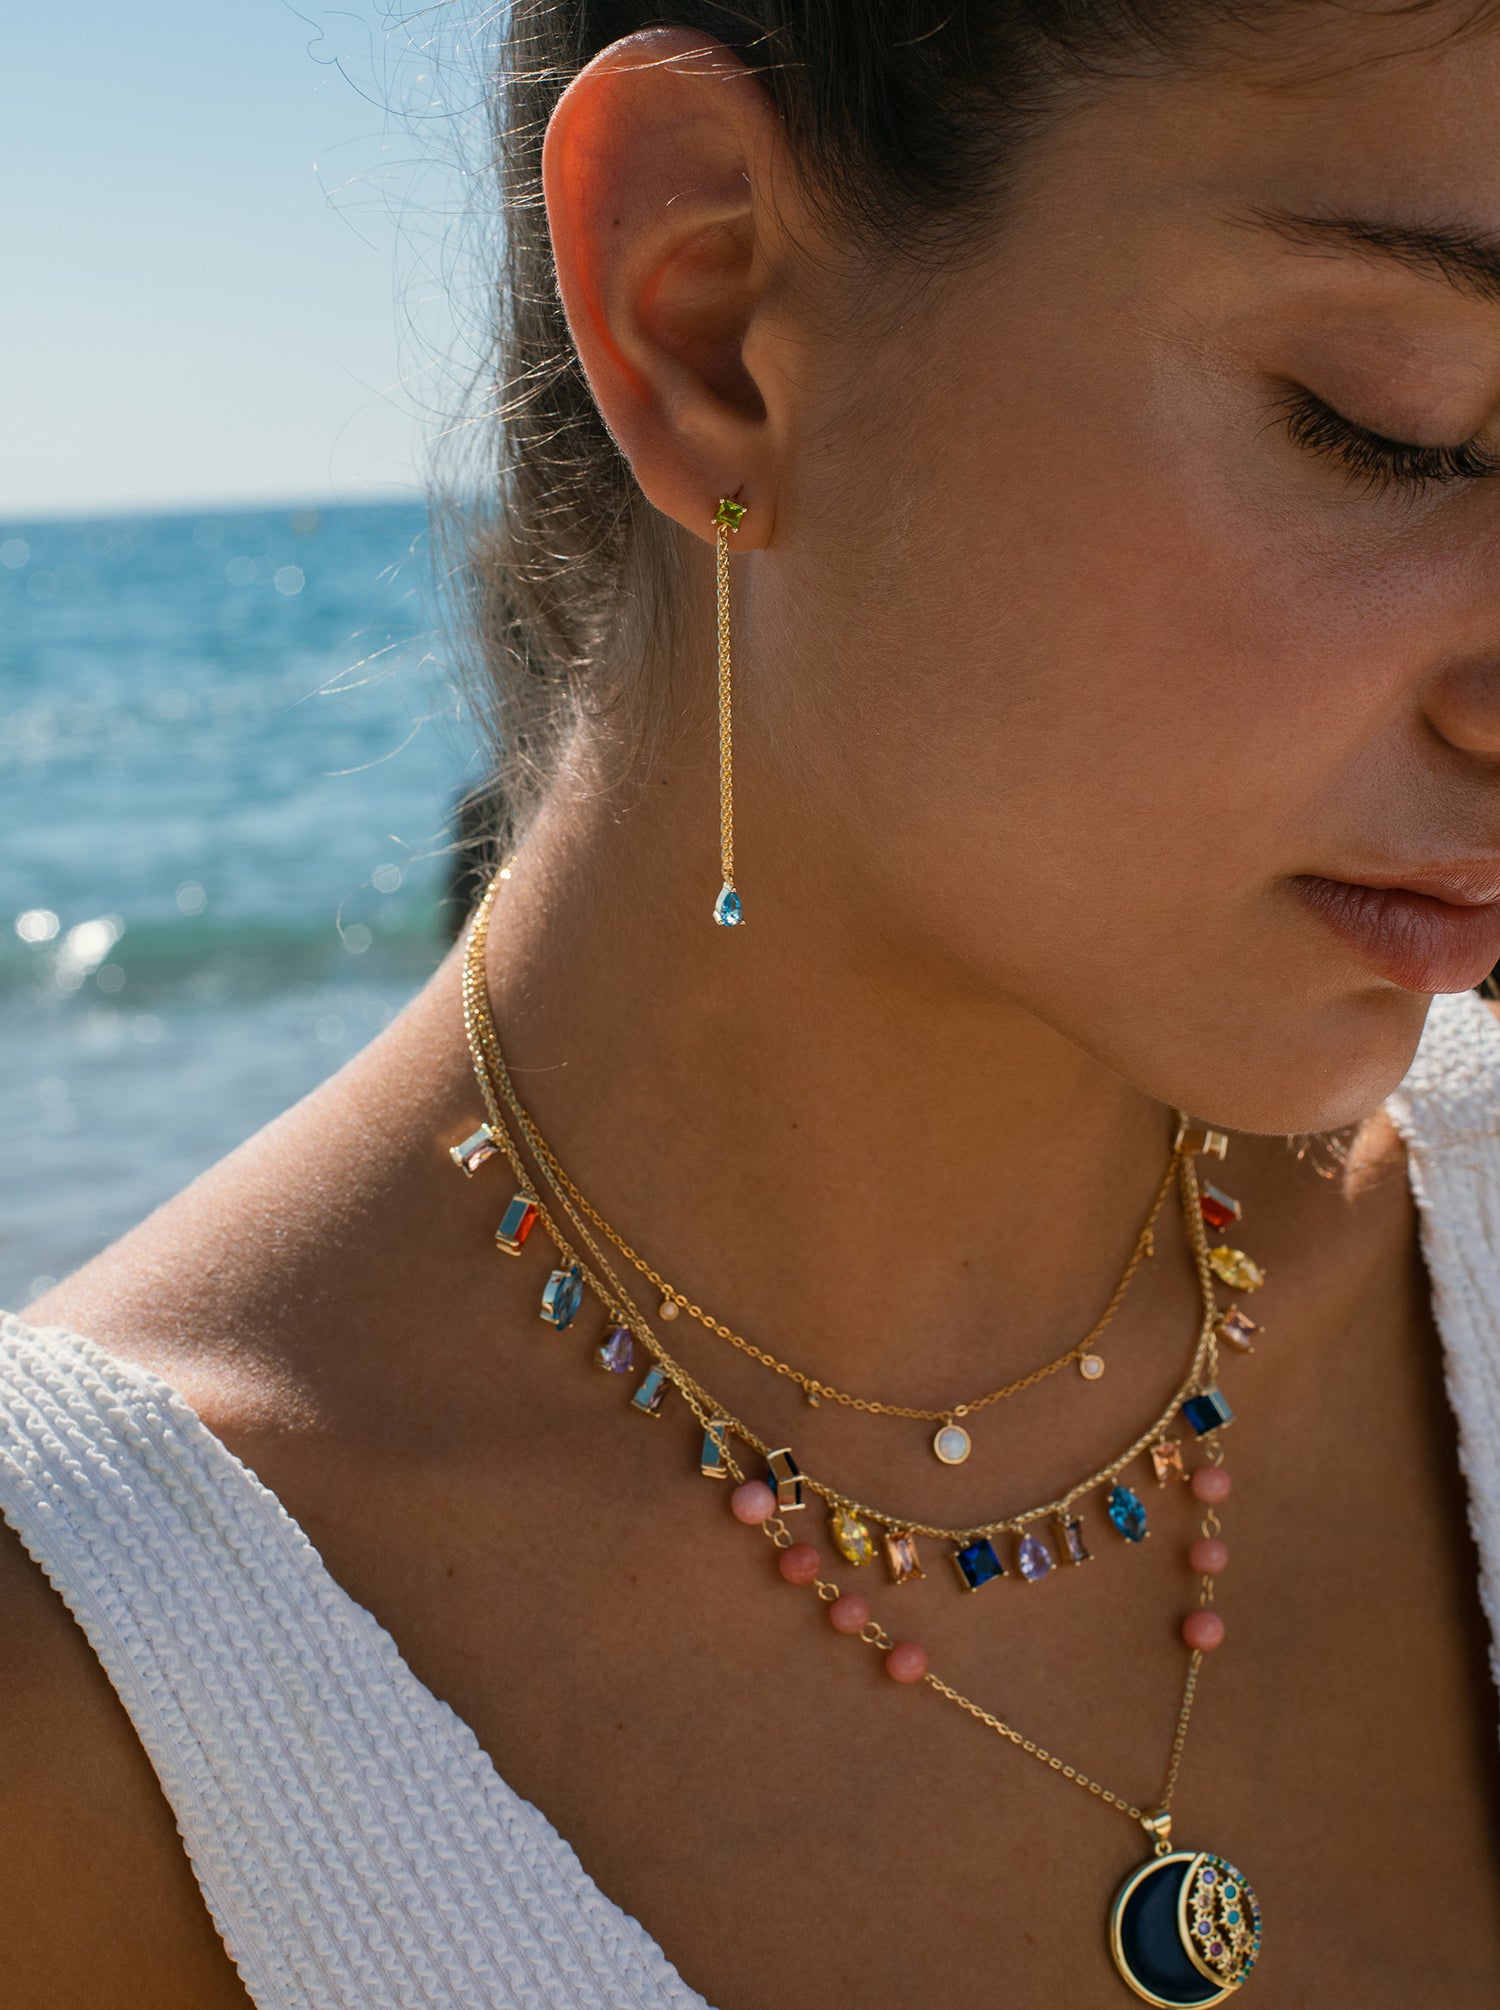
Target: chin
{"points": [[1321, 1069]]}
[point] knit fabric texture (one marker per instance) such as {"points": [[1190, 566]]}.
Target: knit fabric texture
{"points": [[354, 1843]]}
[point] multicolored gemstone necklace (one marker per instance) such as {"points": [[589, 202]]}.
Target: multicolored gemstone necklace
{"points": [[1185, 1928]]}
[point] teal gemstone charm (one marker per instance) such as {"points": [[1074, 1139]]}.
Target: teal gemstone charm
{"points": [[651, 1394], [561, 1297], [712, 1463], [1128, 1513], [727, 909]]}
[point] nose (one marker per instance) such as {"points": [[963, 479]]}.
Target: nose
{"points": [[1463, 706]]}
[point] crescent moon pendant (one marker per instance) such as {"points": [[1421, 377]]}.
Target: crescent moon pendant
{"points": [[1185, 1930]]}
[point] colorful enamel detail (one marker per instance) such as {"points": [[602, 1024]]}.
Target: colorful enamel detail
{"points": [[952, 1444], [472, 1153], [517, 1222], [711, 1461], [1128, 1513], [651, 1393], [786, 1478], [1207, 1412], [852, 1537], [901, 1558], [977, 1564], [1177, 1934], [561, 1297]]}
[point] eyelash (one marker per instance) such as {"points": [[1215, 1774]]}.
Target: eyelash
{"points": [[1375, 462]]}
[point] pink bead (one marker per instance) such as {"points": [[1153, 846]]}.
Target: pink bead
{"points": [[1210, 1483], [849, 1613], [906, 1662], [1203, 1630], [800, 1564], [1208, 1554], [753, 1503]]}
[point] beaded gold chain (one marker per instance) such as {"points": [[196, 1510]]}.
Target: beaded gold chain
{"points": [[1210, 1927], [951, 1442], [852, 1515]]}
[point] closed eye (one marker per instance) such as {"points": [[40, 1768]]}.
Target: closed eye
{"points": [[1374, 462]]}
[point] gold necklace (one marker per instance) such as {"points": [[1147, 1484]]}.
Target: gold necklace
{"points": [[951, 1442], [853, 1521], [1185, 1921]]}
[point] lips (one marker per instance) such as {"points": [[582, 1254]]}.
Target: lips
{"points": [[1436, 932]]}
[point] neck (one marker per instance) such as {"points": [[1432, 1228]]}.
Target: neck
{"points": [[844, 1149]]}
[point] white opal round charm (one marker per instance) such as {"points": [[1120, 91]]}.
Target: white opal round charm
{"points": [[1091, 1366], [952, 1444]]}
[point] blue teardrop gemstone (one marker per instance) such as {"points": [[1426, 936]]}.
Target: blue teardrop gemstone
{"points": [[1128, 1513], [727, 910]]}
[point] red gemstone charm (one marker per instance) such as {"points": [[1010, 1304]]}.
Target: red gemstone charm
{"points": [[1218, 1209]]}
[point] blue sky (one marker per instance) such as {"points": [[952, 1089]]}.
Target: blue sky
{"points": [[221, 247]]}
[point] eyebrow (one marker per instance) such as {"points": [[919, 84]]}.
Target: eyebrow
{"points": [[1467, 259]]}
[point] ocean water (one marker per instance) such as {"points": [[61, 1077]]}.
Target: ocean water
{"points": [[228, 760]]}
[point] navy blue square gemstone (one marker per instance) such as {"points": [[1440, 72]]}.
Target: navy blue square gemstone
{"points": [[978, 1563], [1207, 1412]]}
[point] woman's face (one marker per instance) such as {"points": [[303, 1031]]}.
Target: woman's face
{"points": [[1110, 643]]}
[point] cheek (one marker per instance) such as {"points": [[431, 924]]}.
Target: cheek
{"points": [[1121, 698]]}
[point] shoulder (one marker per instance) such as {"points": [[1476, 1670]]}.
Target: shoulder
{"points": [[112, 1913]]}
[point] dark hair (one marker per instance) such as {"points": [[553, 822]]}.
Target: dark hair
{"points": [[905, 116]]}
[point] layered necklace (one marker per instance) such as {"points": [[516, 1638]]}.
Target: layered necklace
{"points": [[1185, 1927]]}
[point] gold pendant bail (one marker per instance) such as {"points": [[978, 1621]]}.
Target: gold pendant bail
{"points": [[1159, 1825]]}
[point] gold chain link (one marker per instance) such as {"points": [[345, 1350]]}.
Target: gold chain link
{"points": [[612, 1293], [1144, 1246], [726, 748], [707, 1412]]}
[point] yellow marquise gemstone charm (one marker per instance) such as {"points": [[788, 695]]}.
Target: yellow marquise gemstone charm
{"points": [[851, 1536], [1234, 1268]]}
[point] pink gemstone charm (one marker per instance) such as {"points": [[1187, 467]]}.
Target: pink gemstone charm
{"points": [[752, 1503], [849, 1613], [906, 1662], [800, 1564], [1235, 1328], [1203, 1630], [1210, 1484], [1208, 1555], [472, 1153]]}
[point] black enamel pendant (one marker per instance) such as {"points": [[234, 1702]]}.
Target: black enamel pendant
{"points": [[1185, 1930]]}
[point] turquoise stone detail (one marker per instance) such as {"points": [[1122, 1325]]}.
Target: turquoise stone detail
{"points": [[649, 1396], [1128, 1513], [562, 1296], [727, 909]]}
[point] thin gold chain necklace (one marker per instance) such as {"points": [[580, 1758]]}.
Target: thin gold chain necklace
{"points": [[951, 1442], [854, 1520], [1185, 1922]]}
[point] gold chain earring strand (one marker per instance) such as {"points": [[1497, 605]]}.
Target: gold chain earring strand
{"points": [[728, 911]]}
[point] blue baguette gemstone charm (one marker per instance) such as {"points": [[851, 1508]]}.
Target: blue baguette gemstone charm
{"points": [[1128, 1513]]}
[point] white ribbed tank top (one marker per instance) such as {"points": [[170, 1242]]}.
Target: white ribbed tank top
{"points": [[355, 1845]]}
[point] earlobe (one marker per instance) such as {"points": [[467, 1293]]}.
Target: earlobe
{"points": [[655, 168]]}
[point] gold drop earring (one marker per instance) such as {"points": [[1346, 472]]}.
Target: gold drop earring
{"points": [[728, 911]]}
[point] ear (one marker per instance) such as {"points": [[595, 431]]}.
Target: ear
{"points": [[658, 167]]}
